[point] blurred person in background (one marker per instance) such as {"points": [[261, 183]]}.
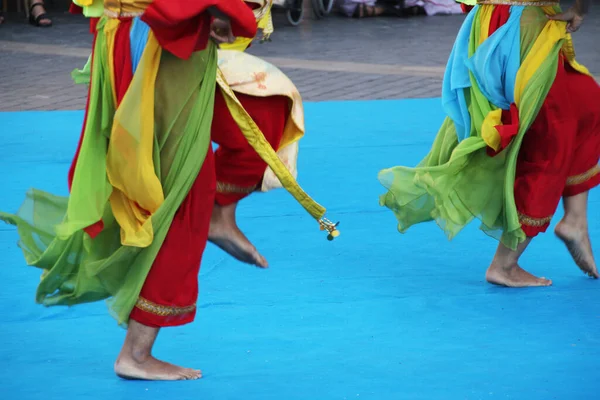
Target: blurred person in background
{"points": [[36, 13], [369, 8]]}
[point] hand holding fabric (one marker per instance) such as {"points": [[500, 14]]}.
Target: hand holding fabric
{"points": [[220, 31], [572, 17]]}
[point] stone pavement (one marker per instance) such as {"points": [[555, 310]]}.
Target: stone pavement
{"points": [[332, 59]]}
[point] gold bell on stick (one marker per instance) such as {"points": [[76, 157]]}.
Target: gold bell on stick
{"points": [[330, 227]]}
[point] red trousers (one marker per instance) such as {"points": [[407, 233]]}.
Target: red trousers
{"points": [[560, 152], [168, 297], [239, 168], [169, 294]]}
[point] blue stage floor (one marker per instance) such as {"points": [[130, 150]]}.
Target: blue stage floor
{"points": [[373, 315]]}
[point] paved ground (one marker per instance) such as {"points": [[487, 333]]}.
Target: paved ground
{"points": [[332, 59]]}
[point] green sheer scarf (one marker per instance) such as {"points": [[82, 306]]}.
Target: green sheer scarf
{"points": [[78, 269], [458, 182]]}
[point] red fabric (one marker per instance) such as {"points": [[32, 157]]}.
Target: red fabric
{"points": [[173, 279], [508, 130], [562, 143], [93, 23], [499, 17], [465, 8], [236, 162], [75, 9], [122, 67], [153, 14], [183, 27], [123, 75]]}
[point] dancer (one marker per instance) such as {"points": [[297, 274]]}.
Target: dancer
{"points": [[142, 185], [267, 99], [522, 131], [251, 93]]}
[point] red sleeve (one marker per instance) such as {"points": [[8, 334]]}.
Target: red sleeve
{"points": [[75, 9], [465, 8], [93, 23], [183, 26]]}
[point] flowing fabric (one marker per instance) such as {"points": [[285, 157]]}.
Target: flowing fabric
{"points": [[144, 142], [498, 75], [90, 8], [246, 74], [243, 73]]}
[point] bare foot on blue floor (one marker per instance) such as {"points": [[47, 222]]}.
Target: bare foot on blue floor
{"points": [[151, 369], [135, 360], [577, 240], [225, 233], [513, 276]]}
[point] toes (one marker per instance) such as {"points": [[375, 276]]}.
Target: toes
{"points": [[195, 376], [544, 282], [592, 274], [192, 374], [261, 261]]}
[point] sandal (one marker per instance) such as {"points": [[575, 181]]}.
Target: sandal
{"points": [[36, 20]]}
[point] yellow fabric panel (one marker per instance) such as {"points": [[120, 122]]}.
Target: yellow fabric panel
{"points": [[110, 30], [83, 3], [485, 17], [553, 32], [123, 7], [240, 44], [130, 167], [489, 133]]}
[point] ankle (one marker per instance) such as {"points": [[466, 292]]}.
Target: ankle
{"points": [[139, 356], [575, 219], [136, 354], [503, 265]]}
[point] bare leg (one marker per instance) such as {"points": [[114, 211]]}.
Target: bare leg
{"points": [[505, 270], [225, 233], [573, 231], [136, 362]]}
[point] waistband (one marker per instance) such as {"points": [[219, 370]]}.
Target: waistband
{"points": [[125, 8], [541, 3], [114, 14]]}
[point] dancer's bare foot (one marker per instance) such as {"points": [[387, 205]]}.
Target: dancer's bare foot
{"points": [[149, 368], [505, 270], [136, 362], [577, 240], [225, 233], [513, 276]]}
